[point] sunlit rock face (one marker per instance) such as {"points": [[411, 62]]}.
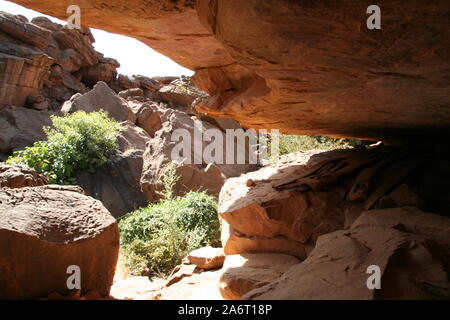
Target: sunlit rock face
{"points": [[300, 66]]}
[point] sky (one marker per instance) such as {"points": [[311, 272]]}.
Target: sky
{"points": [[134, 56]]}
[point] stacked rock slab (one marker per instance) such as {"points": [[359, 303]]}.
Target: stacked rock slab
{"points": [[40, 57], [46, 229], [24, 66], [259, 218], [45, 63], [317, 207]]}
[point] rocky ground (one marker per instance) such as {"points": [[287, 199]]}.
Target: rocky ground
{"points": [[195, 279]]}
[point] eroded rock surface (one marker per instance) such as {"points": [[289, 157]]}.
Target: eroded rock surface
{"points": [[45, 63], [24, 67], [20, 176], [145, 149], [409, 219], [260, 218]]}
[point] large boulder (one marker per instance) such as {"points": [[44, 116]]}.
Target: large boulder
{"points": [[101, 97], [208, 177], [147, 83], [19, 176], [131, 93], [45, 230], [180, 94], [243, 273], [127, 82]]}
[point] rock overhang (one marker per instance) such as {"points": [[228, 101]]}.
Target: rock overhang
{"points": [[303, 68]]}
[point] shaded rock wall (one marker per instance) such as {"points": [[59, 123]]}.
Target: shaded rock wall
{"points": [[20, 127]]}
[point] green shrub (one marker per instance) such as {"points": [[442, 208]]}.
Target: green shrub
{"points": [[168, 180], [76, 142], [295, 143], [159, 236]]}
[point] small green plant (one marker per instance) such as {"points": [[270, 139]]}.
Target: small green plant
{"points": [[295, 143], [168, 180], [76, 142], [159, 236]]}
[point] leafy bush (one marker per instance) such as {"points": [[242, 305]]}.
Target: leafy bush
{"points": [[76, 142], [168, 180], [159, 236]]}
